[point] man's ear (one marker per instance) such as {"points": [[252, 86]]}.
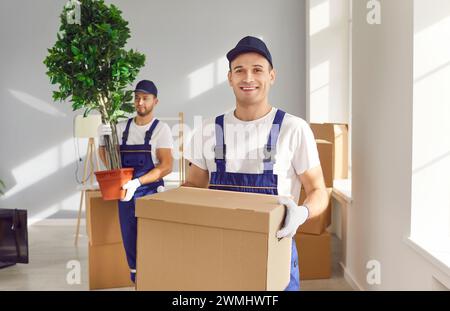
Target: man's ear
{"points": [[273, 75], [229, 77], [156, 101]]}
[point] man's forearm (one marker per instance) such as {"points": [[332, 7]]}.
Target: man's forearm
{"points": [[317, 201], [155, 174]]}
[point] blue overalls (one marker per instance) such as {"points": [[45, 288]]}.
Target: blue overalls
{"points": [[265, 183], [138, 157]]}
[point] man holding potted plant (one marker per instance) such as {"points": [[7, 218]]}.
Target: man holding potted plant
{"points": [[146, 146]]}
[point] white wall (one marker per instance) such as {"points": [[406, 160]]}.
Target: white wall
{"points": [[431, 121], [382, 115], [328, 61], [185, 43]]}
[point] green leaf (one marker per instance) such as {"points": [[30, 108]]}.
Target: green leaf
{"points": [[80, 77], [90, 60], [92, 49], [75, 50]]}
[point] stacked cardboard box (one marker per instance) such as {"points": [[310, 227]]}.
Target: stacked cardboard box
{"points": [[313, 241], [325, 149], [337, 134], [314, 244], [201, 239], [108, 267], [314, 255]]}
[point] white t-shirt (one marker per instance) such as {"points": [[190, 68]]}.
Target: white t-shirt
{"points": [[244, 140], [161, 137]]}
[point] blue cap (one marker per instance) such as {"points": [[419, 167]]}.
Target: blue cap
{"points": [[146, 86], [250, 44]]}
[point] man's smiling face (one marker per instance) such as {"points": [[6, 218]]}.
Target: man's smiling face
{"points": [[250, 77]]}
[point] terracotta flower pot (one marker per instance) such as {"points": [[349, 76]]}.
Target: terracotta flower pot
{"points": [[111, 182]]}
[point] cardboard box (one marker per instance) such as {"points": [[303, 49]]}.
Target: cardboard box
{"points": [[314, 255], [201, 239], [337, 134], [318, 224], [325, 149], [102, 219], [108, 267]]}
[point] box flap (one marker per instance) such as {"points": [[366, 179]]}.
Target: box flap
{"points": [[214, 208]]}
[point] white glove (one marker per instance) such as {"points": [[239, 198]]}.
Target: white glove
{"points": [[160, 189], [104, 129], [130, 187], [295, 217]]}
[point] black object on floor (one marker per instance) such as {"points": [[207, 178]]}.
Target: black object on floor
{"points": [[13, 237]]}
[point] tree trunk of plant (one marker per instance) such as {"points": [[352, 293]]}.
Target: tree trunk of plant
{"points": [[111, 142]]}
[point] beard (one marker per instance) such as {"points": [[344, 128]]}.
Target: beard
{"points": [[145, 112]]}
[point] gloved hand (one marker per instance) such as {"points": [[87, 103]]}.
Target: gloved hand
{"points": [[104, 129], [160, 189], [295, 216], [130, 187]]}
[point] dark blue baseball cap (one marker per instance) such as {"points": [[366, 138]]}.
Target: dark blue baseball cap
{"points": [[146, 86], [250, 44]]}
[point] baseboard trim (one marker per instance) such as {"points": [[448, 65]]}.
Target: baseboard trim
{"points": [[350, 279], [57, 222]]}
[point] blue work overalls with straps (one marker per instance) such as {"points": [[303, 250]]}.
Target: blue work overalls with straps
{"points": [[138, 157], [265, 183]]}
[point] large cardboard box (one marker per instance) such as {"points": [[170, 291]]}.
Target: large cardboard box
{"points": [[102, 218], [108, 267], [318, 224], [337, 134], [201, 239], [325, 149], [314, 255]]}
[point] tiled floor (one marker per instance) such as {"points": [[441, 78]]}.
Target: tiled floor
{"points": [[52, 248]]}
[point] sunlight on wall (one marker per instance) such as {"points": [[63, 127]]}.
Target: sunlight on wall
{"points": [[37, 104], [319, 16], [70, 203], [319, 92], [201, 80], [53, 209], [207, 77], [328, 61], [67, 203], [431, 126], [42, 166], [221, 70]]}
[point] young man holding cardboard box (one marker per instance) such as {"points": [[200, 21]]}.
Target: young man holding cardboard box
{"points": [[258, 148]]}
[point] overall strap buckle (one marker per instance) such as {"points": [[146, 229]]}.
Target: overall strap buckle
{"points": [[269, 153], [220, 152]]}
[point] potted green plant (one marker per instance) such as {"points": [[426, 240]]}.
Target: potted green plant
{"points": [[93, 70]]}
